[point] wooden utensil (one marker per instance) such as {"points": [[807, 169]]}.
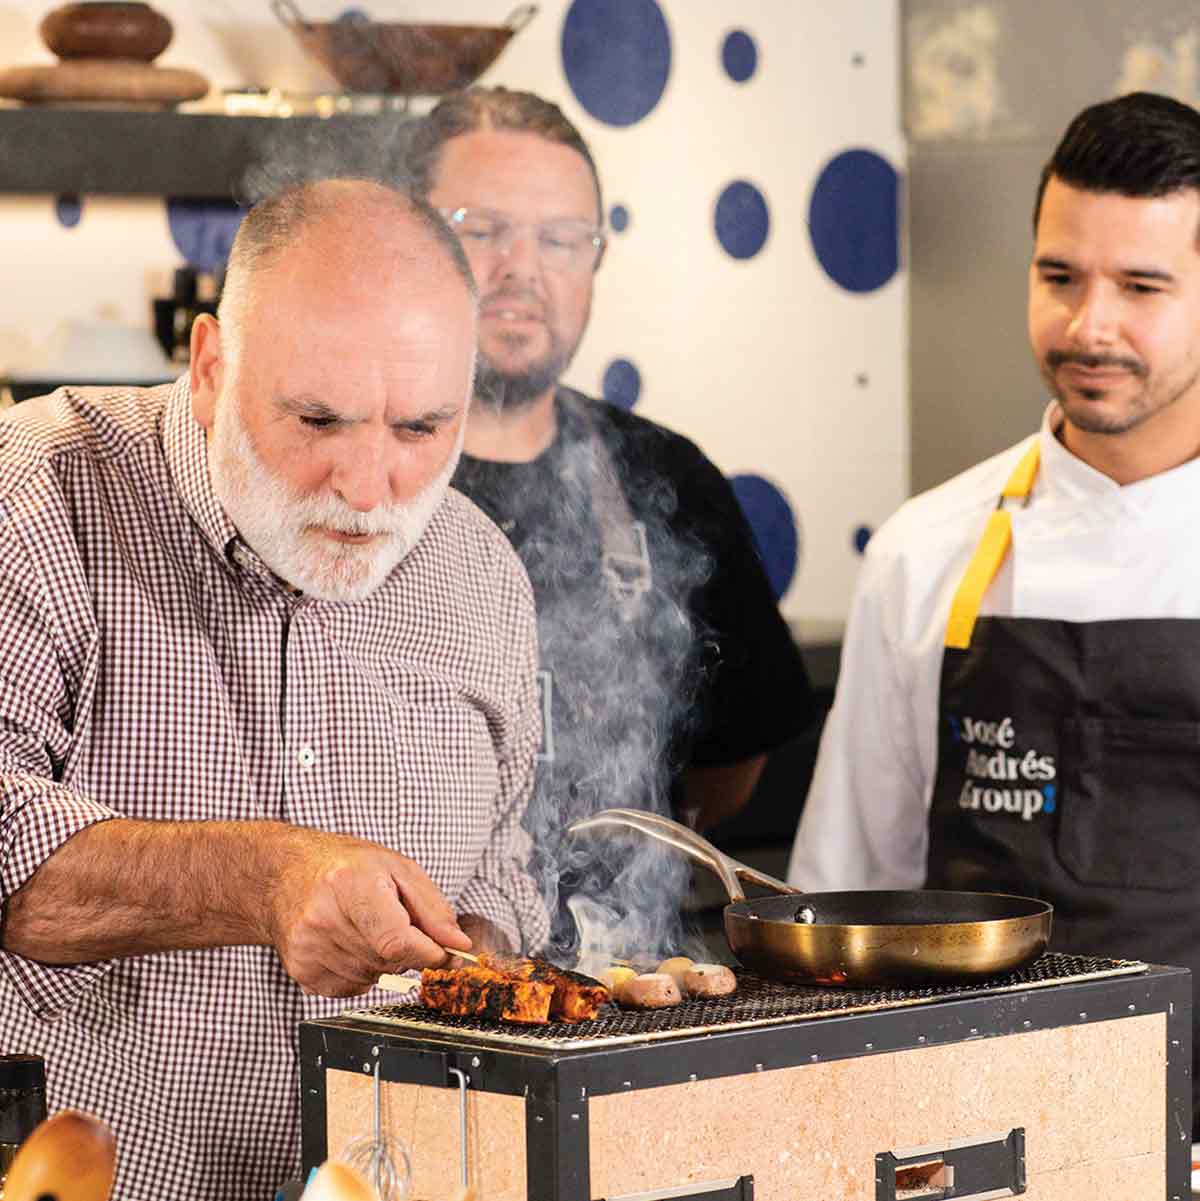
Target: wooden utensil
{"points": [[71, 1156]]}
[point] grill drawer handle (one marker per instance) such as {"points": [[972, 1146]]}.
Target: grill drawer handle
{"points": [[962, 1169]]}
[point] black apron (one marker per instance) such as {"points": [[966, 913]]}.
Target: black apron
{"points": [[1069, 769]]}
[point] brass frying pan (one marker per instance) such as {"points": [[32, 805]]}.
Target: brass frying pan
{"points": [[856, 939]]}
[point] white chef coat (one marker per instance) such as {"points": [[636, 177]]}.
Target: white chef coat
{"points": [[1084, 549]]}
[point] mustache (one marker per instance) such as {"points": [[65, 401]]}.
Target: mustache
{"points": [[1059, 358], [518, 295], [333, 513]]}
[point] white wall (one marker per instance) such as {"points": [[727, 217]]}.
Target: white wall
{"points": [[772, 367]]}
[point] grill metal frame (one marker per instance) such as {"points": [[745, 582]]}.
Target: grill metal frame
{"points": [[758, 1002], [557, 1081]]}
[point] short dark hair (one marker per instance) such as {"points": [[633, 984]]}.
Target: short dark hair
{"points": [[490, 108], [1141, 144]]}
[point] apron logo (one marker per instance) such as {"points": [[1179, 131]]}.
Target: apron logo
{"points": [[1000, 777]]}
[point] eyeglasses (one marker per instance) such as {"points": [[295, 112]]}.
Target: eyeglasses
{"points": [[563, 245]]}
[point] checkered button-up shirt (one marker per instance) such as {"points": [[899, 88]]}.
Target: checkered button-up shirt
{"points": [[152, 668]]}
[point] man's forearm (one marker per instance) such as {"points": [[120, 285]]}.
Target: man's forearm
{"points": [[132, 887]]}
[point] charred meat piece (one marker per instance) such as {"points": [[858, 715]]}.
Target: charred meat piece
{"points": [[484, 992], [577, 998]]}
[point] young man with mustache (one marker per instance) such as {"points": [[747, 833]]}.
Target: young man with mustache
{"points": [[667, 671], [267, 693], [1019, 703]]}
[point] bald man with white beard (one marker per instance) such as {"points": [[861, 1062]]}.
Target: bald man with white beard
{"points": [[267, 693]]}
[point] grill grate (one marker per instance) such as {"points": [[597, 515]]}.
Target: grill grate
{"points": [[757, 1002]]}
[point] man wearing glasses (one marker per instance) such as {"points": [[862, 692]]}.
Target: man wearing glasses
{"points": [[667, 672]]}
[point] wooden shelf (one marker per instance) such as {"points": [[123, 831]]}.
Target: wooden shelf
{"points": [[97, 151]]}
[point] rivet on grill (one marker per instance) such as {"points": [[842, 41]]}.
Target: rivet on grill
{"points": [[1132, 1008], [574, 1117], [758, 1067], [920, 1038], [367, 1067], [815, 1058], [475, 1061], [1027, 1023], [375, 1052], [870, 1046], [1083, 1017], [692, 1077], [538, 1118], [627, 1084], [974, 1030]]}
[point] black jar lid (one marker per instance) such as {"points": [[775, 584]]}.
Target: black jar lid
{"points": [[22, 1072]]}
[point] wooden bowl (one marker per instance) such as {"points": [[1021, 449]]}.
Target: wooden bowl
{"points": [[106, 29], [406, 59]]}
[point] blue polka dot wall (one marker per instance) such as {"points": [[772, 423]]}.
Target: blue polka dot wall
{"points": [[69, 211], [203, 231], [784, 366], [616, 55], [774, 526]]}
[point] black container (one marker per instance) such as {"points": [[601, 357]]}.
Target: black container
{"points": [[22, 1097]]}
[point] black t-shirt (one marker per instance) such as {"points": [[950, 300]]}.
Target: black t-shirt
{"points": [[670, 655]]}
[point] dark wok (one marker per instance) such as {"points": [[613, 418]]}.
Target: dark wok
{"points": [[855, 939]]}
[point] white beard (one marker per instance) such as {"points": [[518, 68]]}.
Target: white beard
{"points": [[276, 521]]}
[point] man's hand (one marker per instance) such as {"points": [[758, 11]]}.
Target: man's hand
{"points": [[342, 912], [338, 910]]}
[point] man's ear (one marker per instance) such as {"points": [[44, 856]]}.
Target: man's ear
{"points": [[207, 369]]}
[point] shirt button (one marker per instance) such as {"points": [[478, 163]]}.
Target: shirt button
{"points": [[306, 757]]}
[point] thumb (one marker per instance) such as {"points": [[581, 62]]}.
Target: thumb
{"points": [[428, 909]]}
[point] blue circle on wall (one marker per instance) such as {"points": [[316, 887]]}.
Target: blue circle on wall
{"points": [[618, 218], [622, 384], [742, 220], [773, 524], [203, 230], [853, 220], [616, 56], [68, 210], [862, 535], [739, 55]]}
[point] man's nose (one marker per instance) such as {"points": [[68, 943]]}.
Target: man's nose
{"points": [[520, 256], [1094, 321], [362, 475]]}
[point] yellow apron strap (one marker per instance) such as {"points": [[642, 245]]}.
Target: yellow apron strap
{"points": [[989, 554]]}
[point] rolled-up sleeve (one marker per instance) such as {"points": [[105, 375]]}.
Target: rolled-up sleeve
{"points": [[42, 673]]}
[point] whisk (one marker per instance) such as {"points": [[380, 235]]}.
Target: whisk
{"points": [[380, 1157]]}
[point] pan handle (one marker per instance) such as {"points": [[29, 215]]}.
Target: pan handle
{"points": [[729, 871], [673, 834]]}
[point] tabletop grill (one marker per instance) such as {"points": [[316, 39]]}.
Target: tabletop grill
{"points": [[757, 1002], [1061, 1079]]}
